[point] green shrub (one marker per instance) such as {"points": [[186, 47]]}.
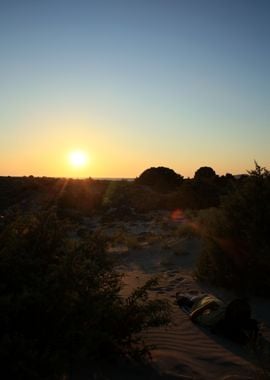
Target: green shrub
{"points": [[240, 231], [60, 302], [213, 265], [187, 230]]}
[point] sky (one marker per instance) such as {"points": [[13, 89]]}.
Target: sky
{"points": [[134, 84]]}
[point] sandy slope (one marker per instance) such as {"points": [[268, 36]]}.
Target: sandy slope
{"points": [[183, 350]]}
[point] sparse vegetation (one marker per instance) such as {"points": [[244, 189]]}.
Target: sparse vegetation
{"points": [[61, 303], [60, 296], [186, 230], [237, 236]]}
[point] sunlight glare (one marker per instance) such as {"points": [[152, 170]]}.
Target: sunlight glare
{"points": [[78, 159]]}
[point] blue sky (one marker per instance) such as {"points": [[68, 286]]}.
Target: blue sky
{"points": [[180, 83]]}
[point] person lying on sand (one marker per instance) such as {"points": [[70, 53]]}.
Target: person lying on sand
{"points": [[232, 320]]}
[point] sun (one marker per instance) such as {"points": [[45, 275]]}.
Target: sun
{"points": [[78, 158]]}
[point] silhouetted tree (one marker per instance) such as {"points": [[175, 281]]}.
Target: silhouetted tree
{"points": [[160, 179], [204, 173]]}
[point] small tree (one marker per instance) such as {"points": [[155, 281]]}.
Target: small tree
{"points": [[204, 173], [160, 179]]}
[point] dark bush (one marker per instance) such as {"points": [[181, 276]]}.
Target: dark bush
{"points": [[241, 230], [160, 179], [204, 173], [82, 196], [215, 265], [60, 302]]}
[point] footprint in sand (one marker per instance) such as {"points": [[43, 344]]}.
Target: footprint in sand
{"points": [[158, 289], [180, 279], [173, 272]]}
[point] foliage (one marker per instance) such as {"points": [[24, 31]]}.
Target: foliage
{"points": [[23, 190], [155, 188], [160, 179], [204, 173], [240, 231], [61, 303], [84, 196]]}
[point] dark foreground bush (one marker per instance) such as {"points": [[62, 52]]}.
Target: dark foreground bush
{"points": [[60, 302], [237, 237]]}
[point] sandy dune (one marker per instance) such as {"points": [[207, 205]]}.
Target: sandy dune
{"points": [[183, 350]]}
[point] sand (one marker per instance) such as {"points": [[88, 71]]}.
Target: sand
{"points": [[183, 350]]}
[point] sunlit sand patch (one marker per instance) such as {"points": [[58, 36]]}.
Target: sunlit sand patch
{"points": [[118, 249]]}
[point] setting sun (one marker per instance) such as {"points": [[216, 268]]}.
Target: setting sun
{"points": [[78, 159]]}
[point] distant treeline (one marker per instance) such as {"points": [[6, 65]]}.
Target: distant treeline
{"points": [[155, 188]]}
